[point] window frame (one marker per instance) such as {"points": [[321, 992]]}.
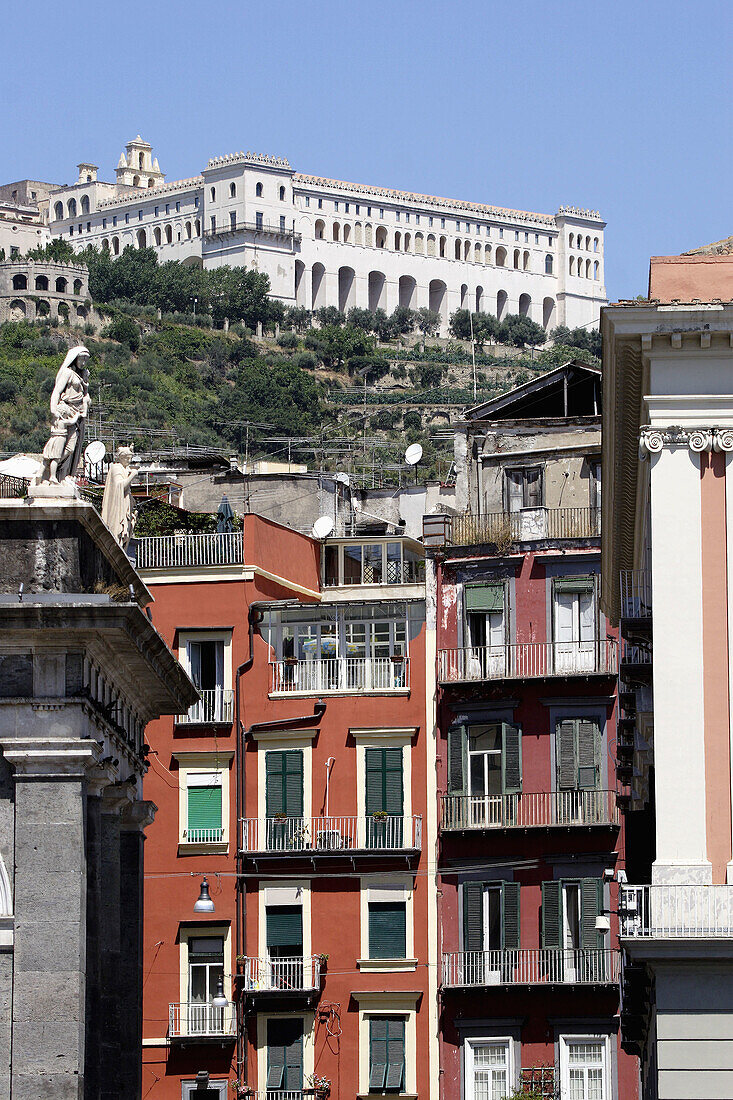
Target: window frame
{"points": [[524, 470], [384, 542], [400, 1004], [198, 763], [203, 930], [375, 889], [564, 1044], [261, 1045], [469, 1078]]}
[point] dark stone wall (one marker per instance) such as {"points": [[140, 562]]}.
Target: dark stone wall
{"points": [[52, 556]]}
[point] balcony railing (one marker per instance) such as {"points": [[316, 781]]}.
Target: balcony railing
{"points": [[204, 1021], [539, 1081], [267, 228], [543, 809], [528, 525], [676, 912], [528, 660], [180, 551], [636, 594], [340, 675], [203, 835], [295, 975], [215, 707], [530, 966], [329, 835]]}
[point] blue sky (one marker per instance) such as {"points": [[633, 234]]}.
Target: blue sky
{"points": [[623, 107]]}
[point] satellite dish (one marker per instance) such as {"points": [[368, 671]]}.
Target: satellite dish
{"points": [[323, 527], [413, 454], [95, 452], [342, 478]]}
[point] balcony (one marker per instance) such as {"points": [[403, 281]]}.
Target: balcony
{"points": [[636, 594], [282, 976], [527, 661], [330, 836], [214, 708], [530, 966], [340, 676], [676, 912], [264, 229], [542, 810], [528, 525], [190, 551], [194, 1020]]}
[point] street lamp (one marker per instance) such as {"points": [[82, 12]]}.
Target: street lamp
{"points": [[219, 999], [203, 903]]}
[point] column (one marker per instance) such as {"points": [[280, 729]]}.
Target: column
{"points": [[135, 818], [114, 800], [50, 915]]}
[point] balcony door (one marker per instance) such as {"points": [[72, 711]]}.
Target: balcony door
{"points": [[484, 768], [205, 968], [486, 631], [490, 932], [574, 614], [485, 775], [284, 929], [284, 800], [206, 668], [570, 908], [284, 1056], [384, 802], [578, 755]]}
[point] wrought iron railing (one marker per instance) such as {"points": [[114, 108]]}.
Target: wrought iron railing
{"points": [[527, 525], [324, 835], [636, 593], [531, 966], [539, 1081], [291, 975], [529, 810], [215, 707], [528, 660], [13, 487], [676, 912], [193, 1018], [185, 550], [268, 228], [340, 675]]}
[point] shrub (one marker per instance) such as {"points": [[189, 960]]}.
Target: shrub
{"points": [[329, 315], [305, 360], [287, 340], [412, 421], [124, 330]]}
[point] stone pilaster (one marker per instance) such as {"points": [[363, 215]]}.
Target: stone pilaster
{"points": [[114, 800]]}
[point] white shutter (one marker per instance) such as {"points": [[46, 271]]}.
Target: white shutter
{"points": [[564, 607], [514, 489], [586, 616]]}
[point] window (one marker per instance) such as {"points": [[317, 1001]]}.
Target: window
{"points": [[232, 219], [284, 936], [204, 660], [548, 264], [372, 563], [346, 207], [536, 238], [488, 1069], [204, 806], [595, 484], [285, 1055], [307, 200], [384, 787], [570, 908], [574, 626], [523, 488], [196, 202], [490, 928], [282, 222], [381, 211], [259, 220], [387, 929], [15, 250], [386, 1053], [205, 970], [336, 205], [167, 208], [320, 204], [215, 1090], [178, 207], [114, 220], [584, 1068], [213, 223], [284, 798], [484, 766], [20, 282], [104, 223], [578, 743], [501, 234], [127, 218], [442, 223]]}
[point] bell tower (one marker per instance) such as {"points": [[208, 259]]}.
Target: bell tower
{"points": [[137, 167]]}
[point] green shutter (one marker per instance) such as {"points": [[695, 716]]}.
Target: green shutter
{"points": [[510, 915], [387, 930], [274, 785], [284, 926], [374, 780], [574, 584], [284, 783], [551, 914], [395, 1055], [484, 597], [377, 1052], [511, 759], [204, 808], [393, 781], [457, 747], [294, 783], [294, 1059], [588, 743], [285, 1054], [590, 907], [473, 916], [567, 772], [384, 792]]}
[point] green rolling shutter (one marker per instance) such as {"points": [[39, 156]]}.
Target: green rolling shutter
{"points": [[566, 768], [384, 781], [284, 783], [511, 759], [473, 916], [457, 747], [590, 907], [574, 584], [204, 808], [387, 930], [484, 597], [510, 915], [284, 926], [551, 914], [588, 744]]}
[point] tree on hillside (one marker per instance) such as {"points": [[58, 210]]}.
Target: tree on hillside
{"points": [[521, 331], [586, 339], [58, 251], [428, 321]]}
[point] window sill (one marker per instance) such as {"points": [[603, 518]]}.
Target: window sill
{"points": [[387, 966], [220, 847]]}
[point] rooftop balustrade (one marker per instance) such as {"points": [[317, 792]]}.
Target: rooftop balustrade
{"points": [[190, 551], [328, 836], [530, 966], [197, 1020], [676, 912], [267, 228], [527, 661], [527, 525], [544, 809]]}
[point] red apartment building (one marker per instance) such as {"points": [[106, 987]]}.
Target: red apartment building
{"points": [[530, 823], [299, 787]]}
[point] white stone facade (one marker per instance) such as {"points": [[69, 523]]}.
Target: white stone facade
{"points": [[324, 242]]}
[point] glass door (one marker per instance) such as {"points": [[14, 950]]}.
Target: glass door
{"points": [[485, 783], [205, 968], [574, 626]]}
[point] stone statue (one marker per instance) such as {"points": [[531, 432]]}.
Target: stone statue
{"points": [[117, 501], [69, 407]]}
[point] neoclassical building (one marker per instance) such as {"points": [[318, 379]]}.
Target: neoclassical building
{"points": [[325, 242]]}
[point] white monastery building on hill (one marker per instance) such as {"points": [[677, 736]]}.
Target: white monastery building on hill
{"points": [[325, 242]]}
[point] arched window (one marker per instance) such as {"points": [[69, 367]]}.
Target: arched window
{"points": [[548, 264], [572, 265], [156, 234], [213, 194], [580, 267], [548, 313], [282, 194], [381, 237], [168, 234], [516, 259], [258, 190], [406, 289], [347, 233], [61, 285], [368, 236], [232, 190], [479, 299], [41, 282], [466, 250], [58, 211], [77, 287], [142, 239], [317, 280], [595, 244], [42, 308], [501, 300], [464, 295], [358, 234], [85, 204], [525, 303], [437, 297], [105, 244], [397, 241], [487, 253], [571, 240], [408, 242], [151, 183], [320, 230], [419, 244], [501, 256], [336, 231], [431, 244], [20, 282], [188, 231], [198, 227], [72, 208], [375, 290], [477, 253], [442, 245], [587, 244], [595, 269], [135, 181], [116, 245], [525, 261], [457, 250], [587, 269]]}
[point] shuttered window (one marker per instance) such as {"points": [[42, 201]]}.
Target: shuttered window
{"points": [[511, 758], [578, 754], [386, 1053], [484, 597], [204, 813], [457, 748], [553, 920], [285, 927], [285, 1055], [384, 781], [473, 915], [387, 930], [284, 783]]}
